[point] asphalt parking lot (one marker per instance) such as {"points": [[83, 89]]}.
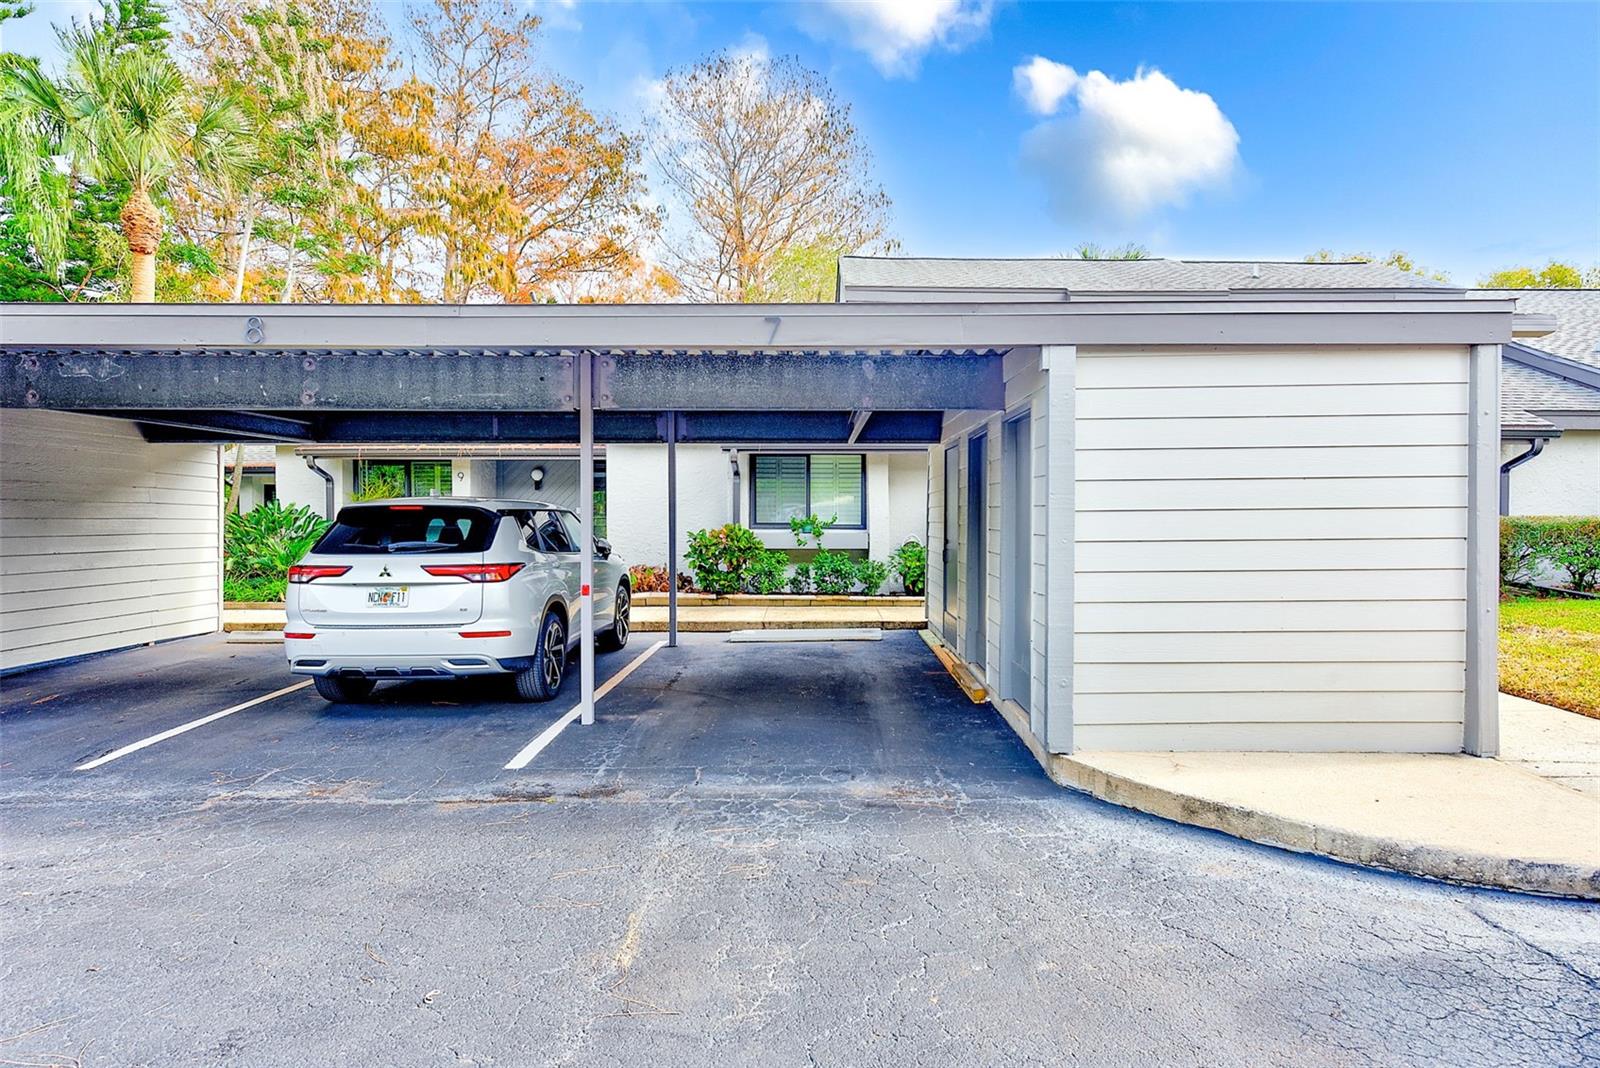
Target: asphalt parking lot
{"points": [[786, 854]]}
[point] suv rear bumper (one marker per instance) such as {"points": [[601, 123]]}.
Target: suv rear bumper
{"points": [[408, 667], [371, 653]]}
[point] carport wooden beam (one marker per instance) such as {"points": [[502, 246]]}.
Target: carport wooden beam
{"points": [[306, 381]]}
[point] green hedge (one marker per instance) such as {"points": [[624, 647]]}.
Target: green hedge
{"points": [[1530, 545]]}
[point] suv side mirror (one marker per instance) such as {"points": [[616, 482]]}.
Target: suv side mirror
{"points": [[602, 548]]}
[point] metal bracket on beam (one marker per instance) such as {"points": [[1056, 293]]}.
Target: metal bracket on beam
{"points": [[858, 422]]}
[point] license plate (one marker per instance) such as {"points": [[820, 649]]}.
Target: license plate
{"points": [[387, 596]]}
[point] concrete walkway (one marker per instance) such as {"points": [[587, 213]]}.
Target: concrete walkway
{"points": [[1551, 742], [1457, 818]]}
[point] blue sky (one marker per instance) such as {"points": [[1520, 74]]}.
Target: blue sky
{"points": [[1466, 134]]}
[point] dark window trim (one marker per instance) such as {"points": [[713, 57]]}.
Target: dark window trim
{"points": [[810, 510]]}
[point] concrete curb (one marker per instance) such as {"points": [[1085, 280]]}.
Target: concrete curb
{"points": [[1410, 858], [1551, 878]]}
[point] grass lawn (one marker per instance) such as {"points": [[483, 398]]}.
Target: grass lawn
{"points": [[1550, 652]]}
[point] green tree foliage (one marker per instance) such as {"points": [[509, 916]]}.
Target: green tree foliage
{"points": [[1397, 259], [1091, 251], [1552, 276], [120, 114], [14, 9]]}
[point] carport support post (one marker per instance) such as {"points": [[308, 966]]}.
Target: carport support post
{"points": [[672, 530], [586, 556], [1481, 721]]}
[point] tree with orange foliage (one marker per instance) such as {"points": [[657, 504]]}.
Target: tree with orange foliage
{"points": [[530, 190]]}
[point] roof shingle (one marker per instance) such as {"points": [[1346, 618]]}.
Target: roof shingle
{"points": [[1106, 276]]}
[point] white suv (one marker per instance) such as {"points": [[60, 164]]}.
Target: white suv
{"points": [[435, 587]]}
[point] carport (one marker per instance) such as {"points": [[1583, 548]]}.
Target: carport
{"points": [[923, 373]]}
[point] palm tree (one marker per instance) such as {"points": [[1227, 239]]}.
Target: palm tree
{"points": [[117, 115]]}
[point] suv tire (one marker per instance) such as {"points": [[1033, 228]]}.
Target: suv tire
{"points": [[542, 680], [615, 636], [343, 689]]}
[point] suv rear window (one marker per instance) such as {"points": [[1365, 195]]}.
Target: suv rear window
{"points": [[409, 528]]}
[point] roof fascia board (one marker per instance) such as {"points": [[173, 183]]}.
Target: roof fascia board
{"points": [[844, 327]]}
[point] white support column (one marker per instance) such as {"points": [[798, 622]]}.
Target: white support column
{"points": [[672, 530], [586, 551], [1481, 723], [1060, 368]]}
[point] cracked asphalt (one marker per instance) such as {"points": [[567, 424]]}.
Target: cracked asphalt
{"points": [[774, 854]]}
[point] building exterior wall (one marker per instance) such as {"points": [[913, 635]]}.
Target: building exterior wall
{"points": [[298, 484], [253, 490], [1270, 549], [1564, 479], [108, 541], [1262, 550], [559, 486], [636, 498]]}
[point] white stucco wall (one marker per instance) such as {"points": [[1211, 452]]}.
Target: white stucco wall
{"points": [[903, 513], [636, 497], [298, 484], [1564, 479]]}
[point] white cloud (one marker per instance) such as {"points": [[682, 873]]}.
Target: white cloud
{"points": [[896, 34], [1042, 83], [1125, 148], [557, 14]]}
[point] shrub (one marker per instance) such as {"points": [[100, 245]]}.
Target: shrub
{"points": [[872, 574], [1531, 544], [253, 589], [1519, 549], [1573, 545], [721, 558], [910, 564], [768, 572], [800, 580], [643, 578], [265, 542], [833, 572], [810, 529]]}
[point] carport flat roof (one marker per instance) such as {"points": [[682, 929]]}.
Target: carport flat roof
{"points": [[867, 373]]}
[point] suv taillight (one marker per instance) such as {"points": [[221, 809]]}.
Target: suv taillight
{"points": [[474, 572], [311, 572]]}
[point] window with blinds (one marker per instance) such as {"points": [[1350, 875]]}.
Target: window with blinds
{"points": [[780, 489], [417, 478], [430, 477], [789, 487]]}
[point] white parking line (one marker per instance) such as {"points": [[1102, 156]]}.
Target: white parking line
{"points": [[191, 725], [548, 735]]}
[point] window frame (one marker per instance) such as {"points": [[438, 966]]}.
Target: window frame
{"points": [[407, 466], [755, 524]]}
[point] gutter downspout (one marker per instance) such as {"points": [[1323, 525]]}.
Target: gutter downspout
{"points": [[327, 489], [1535, 447]]}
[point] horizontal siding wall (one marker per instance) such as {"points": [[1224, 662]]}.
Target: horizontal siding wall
{"points": [[105, 541], [1270, 549]]}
